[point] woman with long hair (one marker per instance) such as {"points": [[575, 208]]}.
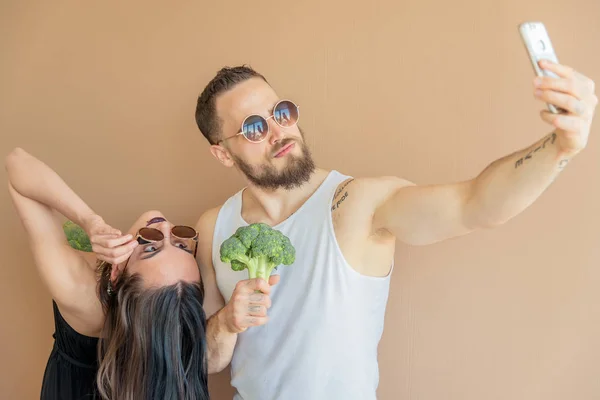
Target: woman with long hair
{"points": [[129, 321]]}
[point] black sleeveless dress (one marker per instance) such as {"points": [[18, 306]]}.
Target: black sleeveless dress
{"points": [[71, 369]]}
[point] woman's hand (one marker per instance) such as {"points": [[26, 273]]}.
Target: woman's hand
{"points": [[108, 243]]}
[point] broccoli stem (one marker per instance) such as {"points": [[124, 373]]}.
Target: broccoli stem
{"points": [[252, 267], [260, 267], [269, 270]]}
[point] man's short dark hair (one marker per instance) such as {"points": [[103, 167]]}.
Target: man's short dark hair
{"points": [[206, 111]]}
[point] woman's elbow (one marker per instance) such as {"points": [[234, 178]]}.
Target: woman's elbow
{"points": [[13, 157]]}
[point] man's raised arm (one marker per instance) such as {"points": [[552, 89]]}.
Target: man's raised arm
{"points": [[428, 214]]}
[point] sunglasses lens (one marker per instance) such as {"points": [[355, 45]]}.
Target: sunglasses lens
{"points": [[184, 232], [255, 128], [286, 113], [151, 234]]}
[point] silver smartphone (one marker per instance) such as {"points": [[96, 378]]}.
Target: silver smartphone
{"points": [[539, 47]]}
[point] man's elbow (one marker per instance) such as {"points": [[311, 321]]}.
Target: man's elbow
{"points": [[216, 363], [487, 221], [215, 369], [477, 216]]}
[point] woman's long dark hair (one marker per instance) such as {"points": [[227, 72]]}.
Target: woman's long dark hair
{"points": [[153, 344]]}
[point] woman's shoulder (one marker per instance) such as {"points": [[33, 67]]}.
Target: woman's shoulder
{"points": [[85, 319]]}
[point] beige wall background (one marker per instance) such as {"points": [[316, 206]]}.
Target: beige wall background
{"points": [[432, 91]]}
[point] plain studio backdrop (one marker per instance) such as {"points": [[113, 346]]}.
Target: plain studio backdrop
{"points": [[432, 91]]}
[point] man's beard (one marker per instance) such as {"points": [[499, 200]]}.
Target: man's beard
{"points": [[297, 171]]}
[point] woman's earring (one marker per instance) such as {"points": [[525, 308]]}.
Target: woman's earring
{"points": [[109, 288]]}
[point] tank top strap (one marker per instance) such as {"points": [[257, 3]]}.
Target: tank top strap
{"points": [[78, 349], [335, 180], [318, 206]]}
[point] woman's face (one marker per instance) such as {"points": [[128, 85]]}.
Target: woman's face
{"points": [[162, 263]]}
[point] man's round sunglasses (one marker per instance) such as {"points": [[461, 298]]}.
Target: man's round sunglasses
{"points": [[255, 128], [184, 233]]}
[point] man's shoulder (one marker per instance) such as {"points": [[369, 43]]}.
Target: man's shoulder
{"points": [[207, 220], [206, 223], [205, 226], [356, 199], [371, 187], [383, 180]]}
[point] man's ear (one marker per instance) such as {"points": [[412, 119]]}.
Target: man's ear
{"points": [[222, 154]]}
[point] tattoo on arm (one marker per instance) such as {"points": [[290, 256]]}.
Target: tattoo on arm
{"points": [[551, 139], [338, 203], [340, 190], [253, 309]]}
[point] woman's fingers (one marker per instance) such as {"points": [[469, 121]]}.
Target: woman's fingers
{"points": [[114, 254], [110, 240]]}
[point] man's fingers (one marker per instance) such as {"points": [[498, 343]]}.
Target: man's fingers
{"points": [[562, 100], [561, 70], [257, 310], [263, 286], [257, 284], [568, 123], [256, 321], [548, 116], [564, 122], [249, 303], [556, 84], [573, 82], [258, 299], [274, 280]]}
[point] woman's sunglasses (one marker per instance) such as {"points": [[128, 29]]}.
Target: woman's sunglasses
{"points": [[186, 234], [255, 127]]}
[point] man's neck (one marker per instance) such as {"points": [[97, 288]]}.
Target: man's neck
{"points": [[275, 206]]}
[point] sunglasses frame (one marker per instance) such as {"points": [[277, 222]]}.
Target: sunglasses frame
{"points": [[241, 132], [146, 241]]}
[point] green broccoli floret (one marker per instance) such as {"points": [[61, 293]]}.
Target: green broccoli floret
{"points": [[77, 237], [258, 248]]}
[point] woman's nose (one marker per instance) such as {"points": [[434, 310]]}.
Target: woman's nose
{"points": [[165, 228]]}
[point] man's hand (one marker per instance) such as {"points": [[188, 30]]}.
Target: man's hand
{"points": [[574, 93], [107, 242], [248, 305]]}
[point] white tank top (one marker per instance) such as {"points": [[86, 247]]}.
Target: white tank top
{"points": [[326, 319]]}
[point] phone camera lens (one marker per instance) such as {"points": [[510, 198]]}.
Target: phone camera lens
{"points": [[541, 45]]}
